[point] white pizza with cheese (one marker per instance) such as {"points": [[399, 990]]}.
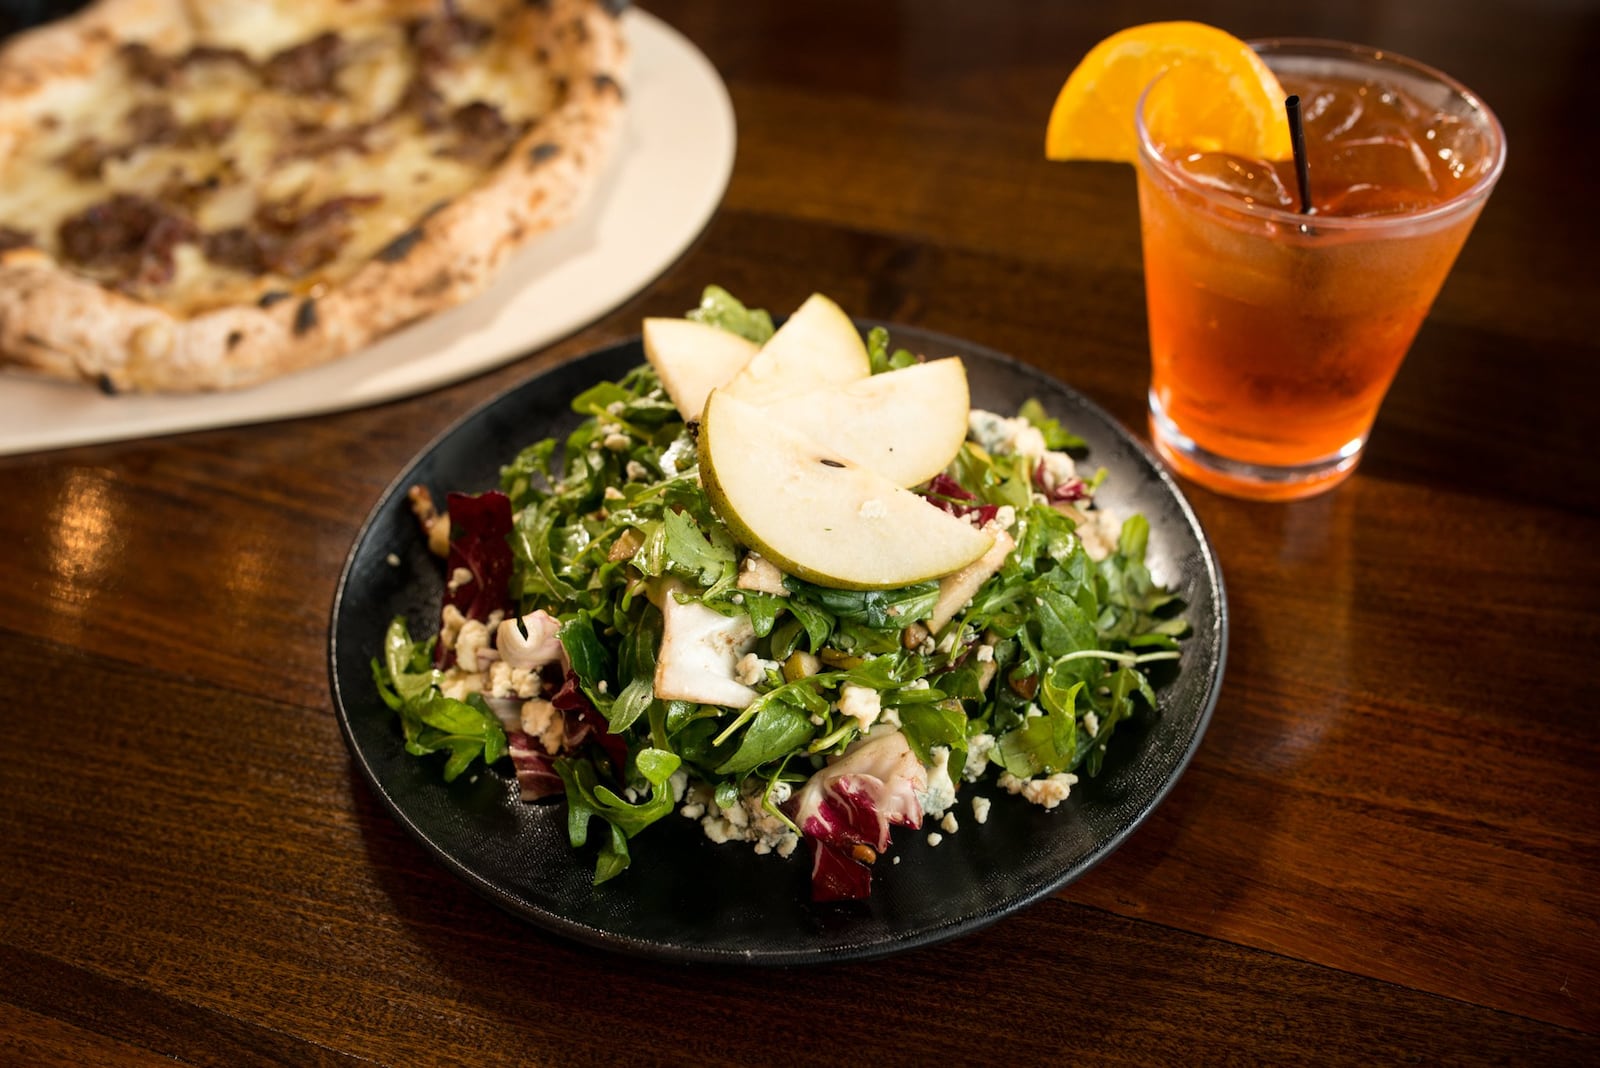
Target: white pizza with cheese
{"points": [[204, 194]]}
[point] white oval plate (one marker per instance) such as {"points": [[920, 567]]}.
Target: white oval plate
{"points": [[663, 185]]}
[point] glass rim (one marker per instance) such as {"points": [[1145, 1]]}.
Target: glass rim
{"points": [[1150, 155]]}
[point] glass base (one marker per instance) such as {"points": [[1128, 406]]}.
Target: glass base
{"points": [[1239, 478]]}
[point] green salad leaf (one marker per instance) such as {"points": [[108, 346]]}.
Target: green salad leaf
{"points": [[1056, 436], [720, 308], [433, 723], [879, 356]]}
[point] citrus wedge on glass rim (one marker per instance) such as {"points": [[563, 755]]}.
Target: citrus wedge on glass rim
{"points": [[1215, 95]]}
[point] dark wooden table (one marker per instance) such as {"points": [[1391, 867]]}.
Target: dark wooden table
{"points": [[1387, 848]]}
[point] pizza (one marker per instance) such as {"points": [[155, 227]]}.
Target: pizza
{"points": [[205, 194]]}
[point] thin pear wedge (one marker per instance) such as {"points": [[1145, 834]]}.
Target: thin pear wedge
{"points": [[818, 347], [693, 358], [906, 425], [818, 515]]}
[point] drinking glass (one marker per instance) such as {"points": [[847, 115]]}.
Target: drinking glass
{"points": [[1275, 333]]}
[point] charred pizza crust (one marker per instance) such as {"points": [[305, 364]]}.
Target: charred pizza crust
{"points": [[79, 306]]}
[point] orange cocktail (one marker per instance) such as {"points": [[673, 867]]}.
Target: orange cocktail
{"points": [[1274, 333]]}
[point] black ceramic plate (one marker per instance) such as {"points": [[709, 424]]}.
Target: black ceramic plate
{"points": [[686, 898]]}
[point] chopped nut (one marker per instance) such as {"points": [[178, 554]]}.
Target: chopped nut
{"points": [[913, 636], [761, 575], [435, 524], [627, 543]]}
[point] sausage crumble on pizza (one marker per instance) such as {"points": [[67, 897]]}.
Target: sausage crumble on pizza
{"points": [[204, 194]]}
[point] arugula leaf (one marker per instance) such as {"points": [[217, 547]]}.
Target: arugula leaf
{"points": [[817, 622], [590, 660], [1056, 437], [431, 722], [466, 729], [524, 478], [1048, 541], [641, 637], [1058, 690], [597, 399], [534, 561], [892, 610], [655, 766], [1063, 625], [702, 558], [778, 721], [633, 702], [764, 610], [720, 308], [777, 729], [1043, 744], [879, 356], [588, 797], [1134, 608], [614, 857], [928, 725], [961, 683], [1115, 706], [682, 713], [408, 670], [885, 672]]}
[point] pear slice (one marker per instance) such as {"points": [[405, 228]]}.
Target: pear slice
{"points": [[906, 425], [699, 650], [692, 359], [818, 515], [816, 348], [957, 589]]}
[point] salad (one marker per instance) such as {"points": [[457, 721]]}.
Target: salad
{"points": [[640, 621]]}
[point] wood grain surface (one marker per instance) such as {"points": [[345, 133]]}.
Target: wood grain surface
{"points": [[1387, 848]]}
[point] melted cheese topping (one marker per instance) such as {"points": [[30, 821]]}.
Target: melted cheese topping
{"points": [[267, 151]]}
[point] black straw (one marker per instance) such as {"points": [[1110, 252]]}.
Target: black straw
{"points": [[1297, 136]]}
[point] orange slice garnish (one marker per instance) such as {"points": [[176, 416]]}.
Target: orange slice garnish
{"points": [[1216, 95]]}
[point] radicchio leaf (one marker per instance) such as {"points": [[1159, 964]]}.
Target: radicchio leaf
{"points": [[836, 875], [583, 720], [536, 769], [846, 809], [948, 495], [1070, 489], [479, 527]]}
